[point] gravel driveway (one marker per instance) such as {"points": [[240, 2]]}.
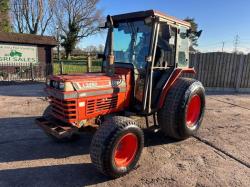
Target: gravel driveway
{"points": [[219, 155]]}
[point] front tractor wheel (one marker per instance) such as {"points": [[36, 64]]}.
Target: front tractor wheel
{"points": [[116, 146], [183, 110]]}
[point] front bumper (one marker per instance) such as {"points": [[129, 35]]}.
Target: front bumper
{"points": [[56, 129]]}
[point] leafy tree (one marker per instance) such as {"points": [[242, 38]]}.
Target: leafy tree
{"points": [[77, 19], [194, 27], [4, 16]]}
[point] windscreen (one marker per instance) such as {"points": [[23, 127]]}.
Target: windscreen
{"points": [[131, 43]]}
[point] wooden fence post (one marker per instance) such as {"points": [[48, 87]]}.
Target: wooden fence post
{"points": [[239, 73], [61, 67], [89, 63]]}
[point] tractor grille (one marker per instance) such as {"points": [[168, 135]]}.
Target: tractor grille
{"points": [[98, 105], [63, 109]]}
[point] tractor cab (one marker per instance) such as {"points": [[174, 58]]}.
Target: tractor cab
{"points": [[153, 45]]}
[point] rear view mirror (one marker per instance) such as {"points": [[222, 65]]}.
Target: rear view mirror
{"points": [[189, 31], [197, 34]]}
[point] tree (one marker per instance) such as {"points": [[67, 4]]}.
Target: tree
{"points": [[32, 16], [4, 16], [77, 19], [194, 27], [101, 48], [91, 49]]}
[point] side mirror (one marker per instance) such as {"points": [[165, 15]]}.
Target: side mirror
{"points": [[198, 34], [189, 31]]}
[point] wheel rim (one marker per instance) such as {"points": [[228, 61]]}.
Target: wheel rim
{"points": [[125, 150], [193, 111]]}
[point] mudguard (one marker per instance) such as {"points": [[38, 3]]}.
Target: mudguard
{"points": [[174, 76]]}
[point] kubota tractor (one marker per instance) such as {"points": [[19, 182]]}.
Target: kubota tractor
{"points": [[145, 56]]}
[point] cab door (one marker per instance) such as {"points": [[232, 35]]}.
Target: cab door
{"points": [[165, 59]]}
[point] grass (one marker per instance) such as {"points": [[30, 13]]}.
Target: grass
{"points": [[75, 66]]}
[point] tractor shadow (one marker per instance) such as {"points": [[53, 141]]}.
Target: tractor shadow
{"points": [[23, 145], [154, 137], [61, 175], [22, 141]]}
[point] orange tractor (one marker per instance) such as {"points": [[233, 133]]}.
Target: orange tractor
{"points": [[145, 56]]}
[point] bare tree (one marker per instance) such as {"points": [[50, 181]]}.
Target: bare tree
{"points": [[77, 19], [91, 49], [101, 48], [32, 16]]}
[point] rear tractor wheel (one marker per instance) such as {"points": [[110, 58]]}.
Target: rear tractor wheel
{"points": [[183, 110], [116, 146]]}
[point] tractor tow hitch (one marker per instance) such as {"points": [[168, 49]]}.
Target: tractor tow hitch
{"points": [[59, 130]]}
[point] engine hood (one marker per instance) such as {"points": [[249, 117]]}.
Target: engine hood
{"points": [[92, 81]]}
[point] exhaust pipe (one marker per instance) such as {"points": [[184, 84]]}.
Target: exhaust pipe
{"points": [[110, 69]]}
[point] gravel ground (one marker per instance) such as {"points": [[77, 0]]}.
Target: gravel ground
{"points": [[219, 155]]}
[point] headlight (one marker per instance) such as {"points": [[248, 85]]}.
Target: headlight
{"points": [[55, 84], [65, 86], [61, 86], [48, 81]]}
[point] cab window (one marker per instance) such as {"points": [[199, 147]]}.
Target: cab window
{"points": [[165, 50], [131, 43], [183, 48]]}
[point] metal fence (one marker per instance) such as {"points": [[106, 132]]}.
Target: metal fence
{"points": [[12, 73], [17, 72]]}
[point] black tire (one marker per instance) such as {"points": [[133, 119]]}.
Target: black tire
{"points": [[105, 143], [172, 117], [47, 115]]}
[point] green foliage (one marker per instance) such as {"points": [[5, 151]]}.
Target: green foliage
{"points": [[194, 27], [4, 16], [76, 66], [76, 20], [70, 40]]}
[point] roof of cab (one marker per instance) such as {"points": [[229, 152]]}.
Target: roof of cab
{"points": [[148, 13]]}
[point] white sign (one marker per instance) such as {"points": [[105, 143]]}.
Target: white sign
{"points": [[18, 54]]}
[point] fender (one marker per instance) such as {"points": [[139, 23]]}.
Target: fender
{"points": [[174, 76]]}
